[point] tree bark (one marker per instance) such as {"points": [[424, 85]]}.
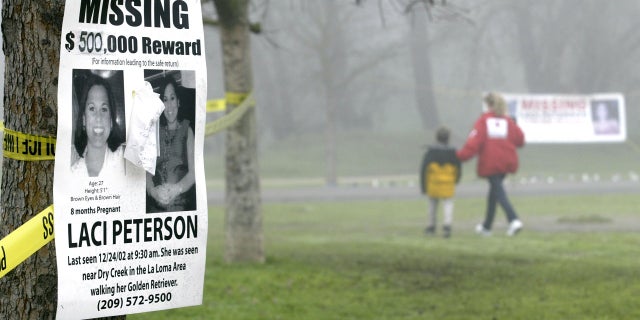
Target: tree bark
{"points": [[243, 218], [31, 38]]}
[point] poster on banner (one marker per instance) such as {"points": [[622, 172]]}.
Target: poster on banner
{"points": [[129, 186], [546, 118]]}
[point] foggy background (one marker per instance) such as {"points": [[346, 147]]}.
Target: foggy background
{"points": [[347, 93], [377, 81]]}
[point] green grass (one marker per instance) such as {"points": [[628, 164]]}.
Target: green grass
{"points": [[370, 260]]}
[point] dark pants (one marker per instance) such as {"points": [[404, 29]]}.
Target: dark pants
{"points": [[497, 195]]}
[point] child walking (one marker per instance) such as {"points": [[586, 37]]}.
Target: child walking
{"points": [[439, 173]]}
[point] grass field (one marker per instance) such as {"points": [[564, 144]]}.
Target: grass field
{"points": [[377, 154], [370, 260]]}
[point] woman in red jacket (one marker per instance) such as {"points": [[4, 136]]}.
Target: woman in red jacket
{"points": [[495, 138]]}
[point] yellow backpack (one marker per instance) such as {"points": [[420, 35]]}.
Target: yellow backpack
{"points": [[441, 180]]}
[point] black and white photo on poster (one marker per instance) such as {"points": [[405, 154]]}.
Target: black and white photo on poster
{"points": [[172, 187], [605, 116], [98, 122]]}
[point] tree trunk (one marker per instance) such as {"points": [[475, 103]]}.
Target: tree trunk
{"points": [[333, 62], [31, 37], [420, 57], [243, 219], [330, 149]]}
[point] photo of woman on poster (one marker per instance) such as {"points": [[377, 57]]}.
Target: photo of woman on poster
{"points": [[98, 119], [605, 117], [172, 187]]}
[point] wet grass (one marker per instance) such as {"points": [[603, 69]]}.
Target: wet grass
{"points": [[370, 260]]}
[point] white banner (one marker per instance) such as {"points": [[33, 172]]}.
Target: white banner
{"points": [[569, 118], [129, 189]]}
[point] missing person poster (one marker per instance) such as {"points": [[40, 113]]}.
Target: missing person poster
{"points": [[129, 188], [569, 118]]}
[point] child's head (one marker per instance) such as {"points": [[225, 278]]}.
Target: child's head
{"points": [[442, 135]]}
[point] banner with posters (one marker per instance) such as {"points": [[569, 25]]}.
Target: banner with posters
{"points": [[129, 188], [569, 118]]}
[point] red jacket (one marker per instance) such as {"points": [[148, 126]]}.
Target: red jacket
{"points": [[494, 139]]}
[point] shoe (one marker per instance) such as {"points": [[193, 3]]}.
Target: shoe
{"points": [[430, 230], [514, 227], [446, 230], [482, 231]]}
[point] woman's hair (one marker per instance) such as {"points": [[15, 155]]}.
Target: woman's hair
{"points": [[80, 139], [169, 80], [496, 103]]}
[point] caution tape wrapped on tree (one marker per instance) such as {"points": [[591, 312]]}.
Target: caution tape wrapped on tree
{"points": [[26, 240], [216, 105], [26, 147], [244, 102]]}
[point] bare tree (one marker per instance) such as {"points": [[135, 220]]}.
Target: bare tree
{"points": [[332, 61], [243, 219], [336, 57], [421, 59], [578, 51]]}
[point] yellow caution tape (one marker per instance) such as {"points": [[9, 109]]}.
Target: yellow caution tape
{"points": [[216, 105], [236, 98], [231, 117], [20, 146], [26, 240]]}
